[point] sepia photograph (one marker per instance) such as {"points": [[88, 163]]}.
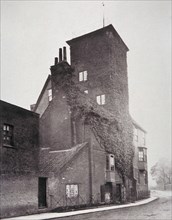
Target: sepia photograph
{"points": [[85, 110]]}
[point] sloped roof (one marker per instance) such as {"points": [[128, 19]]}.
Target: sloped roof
{"points": [[42, 91], [99, 31], [138, 126], [58, 159]]}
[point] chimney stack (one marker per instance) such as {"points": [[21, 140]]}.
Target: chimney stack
{"points": [[56, 61], [60, 54], [64, 54]]}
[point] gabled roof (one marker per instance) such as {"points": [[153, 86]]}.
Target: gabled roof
{"points": [[42, 92], [99, 31], [137, 125], [60, 158]]}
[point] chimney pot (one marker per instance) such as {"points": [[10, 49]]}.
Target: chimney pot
{"points": [[64, 54], [60, 54], [56, 61]]}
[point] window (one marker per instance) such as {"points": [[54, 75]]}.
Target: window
{"points": [[101, 99], [86, 91], [72, 191], [83, 76], [142, 154], [110, 162], [8, 134], [49, 95]]}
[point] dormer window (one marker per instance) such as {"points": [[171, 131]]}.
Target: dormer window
{"points": [[83, 76], [49, 95], [100, 99], [110, 162]]}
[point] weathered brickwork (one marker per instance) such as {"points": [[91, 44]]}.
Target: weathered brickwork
{"points": [[19, 161], [18, 194], [55, 124], [104, 57], [22, 155], [60, 158]]}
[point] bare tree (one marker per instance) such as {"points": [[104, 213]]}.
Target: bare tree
{"points": [[162, 173]]}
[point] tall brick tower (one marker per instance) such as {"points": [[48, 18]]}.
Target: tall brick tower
{"points": [[99, 60]]}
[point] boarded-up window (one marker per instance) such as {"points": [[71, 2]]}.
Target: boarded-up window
{"points": [[72, 190]]}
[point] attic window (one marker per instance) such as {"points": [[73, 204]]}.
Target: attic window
{"points": [[100, 99], [49, 95], [83, 76]]}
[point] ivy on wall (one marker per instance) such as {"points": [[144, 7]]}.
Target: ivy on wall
{"points": [[114, 132]]}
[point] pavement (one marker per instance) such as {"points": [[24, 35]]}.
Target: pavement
{"points": [[52, 215]]}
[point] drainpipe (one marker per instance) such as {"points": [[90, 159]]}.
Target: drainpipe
{"points": [[90, 170]]}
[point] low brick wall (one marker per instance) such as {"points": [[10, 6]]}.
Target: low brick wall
{"points": [[19, 195]]}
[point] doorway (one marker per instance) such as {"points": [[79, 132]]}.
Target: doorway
{"points": [[42, 195], [107, 193], [118, 192]]}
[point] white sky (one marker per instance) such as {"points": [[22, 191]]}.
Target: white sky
{"points": [[33, 31]]}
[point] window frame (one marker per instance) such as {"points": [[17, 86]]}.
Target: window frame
{"points": [[83, 76], [8, 135], [50, 96], [142, 153], [101, 99]]}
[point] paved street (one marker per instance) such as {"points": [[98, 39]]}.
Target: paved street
{"points": [[159, 209]]}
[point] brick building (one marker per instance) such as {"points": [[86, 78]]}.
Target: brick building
{"points": [[89, 146], [18, 160], [85, 116]]}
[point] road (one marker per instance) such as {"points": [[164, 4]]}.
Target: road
{"points": [[159, 210]]}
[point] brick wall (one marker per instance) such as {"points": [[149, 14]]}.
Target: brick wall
{"points": [[104, 58], [75, 172], [23, 155], [19, 194], [55, 124], [19, 161]]}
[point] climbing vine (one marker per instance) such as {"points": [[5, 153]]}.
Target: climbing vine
{"points": [[114, 132]]}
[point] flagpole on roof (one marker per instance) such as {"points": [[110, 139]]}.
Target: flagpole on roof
{"points": [[103, 14]]}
